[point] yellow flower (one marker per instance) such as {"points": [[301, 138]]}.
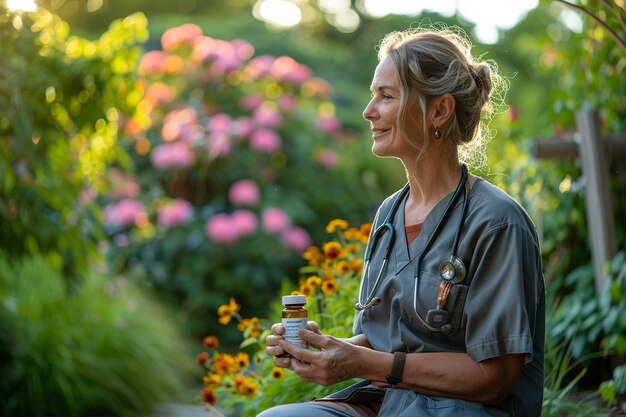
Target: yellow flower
{"points": [[242, 360], [313, 281], [211, 380], [366, 229], [313, 256], [331, 250], [224, 364], [337, 224], [278, 373], [352, 234], [306, 289], [357, 265], [343, 267], [249, 388], [227, 311], [329, 287]]}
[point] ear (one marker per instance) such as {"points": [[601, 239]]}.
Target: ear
{"points": [[441, 109]]}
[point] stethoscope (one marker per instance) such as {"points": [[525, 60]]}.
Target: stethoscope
{"points": [[452, 271]]}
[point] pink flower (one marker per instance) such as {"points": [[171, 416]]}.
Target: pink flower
{"points": [[244, 222], [288, 69], [296, 238], [122, 186], [259, 67], [242, 127], [328, 124], [124, 213], [251, 102], [265, 140], [178, 36], [243, 49], [220, 123], [327, 158], [153, 63], [274, 220], [181, 124], [219, 144], [221, 229], [244, 193], [266, 116], [174, 213], [172, 155], [287, 102], [159, 93]]}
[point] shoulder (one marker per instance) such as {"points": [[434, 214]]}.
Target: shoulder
{"points": [[496, 209]]}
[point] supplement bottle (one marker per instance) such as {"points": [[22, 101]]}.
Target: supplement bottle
{"points": [[295, 317]]}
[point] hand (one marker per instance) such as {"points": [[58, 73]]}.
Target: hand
{"points": [[336, 361], [273, 348]]}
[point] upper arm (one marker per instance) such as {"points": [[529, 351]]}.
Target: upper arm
{"points": [[500, 375]]}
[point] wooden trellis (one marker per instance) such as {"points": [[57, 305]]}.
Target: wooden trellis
{"points": [[594, 151]]}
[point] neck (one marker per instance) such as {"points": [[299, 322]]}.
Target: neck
{"points": [[430, 181]]}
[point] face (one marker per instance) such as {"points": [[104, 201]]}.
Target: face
{"points": [[382, 113]]}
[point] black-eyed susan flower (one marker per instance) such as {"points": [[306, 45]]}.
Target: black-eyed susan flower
{"points": [[314, 281], [337, 224], [366, 229], [208, 396], [228, 311], [343, 267], [278, 373], [332, 250], [224, 364], [210, 342], [330, 286], [211, 380], [306, 289], [313, 256], [249, 388], [352, 234], [242, 360]]}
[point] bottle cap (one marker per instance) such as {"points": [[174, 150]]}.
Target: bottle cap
{"points": [[294, 299]]}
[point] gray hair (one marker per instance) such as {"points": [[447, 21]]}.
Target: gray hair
{"points": [[431, 62]]}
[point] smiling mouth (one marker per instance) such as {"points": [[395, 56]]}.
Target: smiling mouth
{"points": [[379, 132]]}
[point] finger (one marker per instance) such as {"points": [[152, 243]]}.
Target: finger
{"points": [[278, 328], [312, 326], [300, 354], [272, 340], [315, 339], [283, 362], [274, 350]]}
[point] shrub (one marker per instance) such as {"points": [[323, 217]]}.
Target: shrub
{"points": [[105, 348], [235, 162]]}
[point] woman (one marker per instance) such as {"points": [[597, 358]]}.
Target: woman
{"points": [[452, 324]]}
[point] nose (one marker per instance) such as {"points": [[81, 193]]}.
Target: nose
{"points": [[369, 112]]}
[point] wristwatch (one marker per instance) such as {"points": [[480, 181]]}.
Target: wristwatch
{"points": [[395, 376]]}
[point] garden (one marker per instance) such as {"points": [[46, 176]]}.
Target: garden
{"points": [[168, 172]]}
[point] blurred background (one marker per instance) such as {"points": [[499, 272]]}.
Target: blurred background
{"points": [[158, 158]]}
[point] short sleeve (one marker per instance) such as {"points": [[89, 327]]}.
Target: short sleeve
{"points": [[504, 293]]}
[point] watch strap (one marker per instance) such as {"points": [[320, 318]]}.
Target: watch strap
{"points": [[397, 368]]}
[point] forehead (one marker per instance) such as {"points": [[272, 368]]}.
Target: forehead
{"points": [[385, 75]]}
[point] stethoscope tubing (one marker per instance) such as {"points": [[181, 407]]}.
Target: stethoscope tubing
{"points": [[387, 226]]}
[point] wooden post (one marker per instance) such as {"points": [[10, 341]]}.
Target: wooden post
{"points": [[598, 206]]}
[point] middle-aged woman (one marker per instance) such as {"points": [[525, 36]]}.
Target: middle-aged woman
{"points": [[451, 321]]}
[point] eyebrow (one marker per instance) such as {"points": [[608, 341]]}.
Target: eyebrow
{"points": [[383, 87]]}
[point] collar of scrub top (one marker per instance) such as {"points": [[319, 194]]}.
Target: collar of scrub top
{"points": [[387, 228]]}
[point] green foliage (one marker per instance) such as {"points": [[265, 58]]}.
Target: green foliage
{"points": [[560, 395], [105, 348], [60, 100]]}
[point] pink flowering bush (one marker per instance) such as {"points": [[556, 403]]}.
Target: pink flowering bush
{"points": [[232, 172]]}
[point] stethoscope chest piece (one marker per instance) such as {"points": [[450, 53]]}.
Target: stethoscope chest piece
{"points": [[452, 270]]}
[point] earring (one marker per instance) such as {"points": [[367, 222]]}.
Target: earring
{"points": [[437, 133]]}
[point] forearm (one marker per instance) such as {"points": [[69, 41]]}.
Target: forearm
{"points": [[359, 340], [447, 374]]}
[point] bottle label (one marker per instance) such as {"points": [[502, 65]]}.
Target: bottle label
{"points": [[291, 330]]}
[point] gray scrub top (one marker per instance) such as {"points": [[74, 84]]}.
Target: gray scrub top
{"points": [[499, 308]]}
